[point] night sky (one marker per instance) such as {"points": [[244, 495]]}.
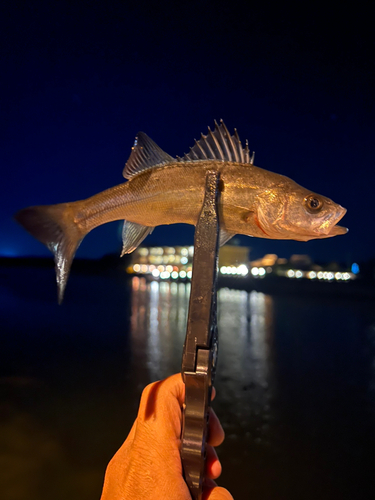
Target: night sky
{"points": [[80, 79]]}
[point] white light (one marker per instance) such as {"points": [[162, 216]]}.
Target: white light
{"points": [[169, 269], [242, 269], [290, 273], [312, 275], [330, 276], [254, 271], [223, 270], [338, 276], [299, 274], [184, 251], [154, 286], [189, 274], [174, 275], [182, 274], [136, 268], [165, 275], [320, 275], [184, 260], [325, 275], [262, 271], [346, 276], [156, 273]]}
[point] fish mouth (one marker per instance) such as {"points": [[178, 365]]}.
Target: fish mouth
{"points": [[337, 230]]}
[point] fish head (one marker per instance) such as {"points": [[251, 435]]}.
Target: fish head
{"points": [[289, 211]]}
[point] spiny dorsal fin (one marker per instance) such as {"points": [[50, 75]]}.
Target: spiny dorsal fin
{"points": [[145, 154], [219, 145]]}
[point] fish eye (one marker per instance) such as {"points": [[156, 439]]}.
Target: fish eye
{"points": [[313, 203]]}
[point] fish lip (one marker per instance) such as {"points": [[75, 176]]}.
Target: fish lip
{"points": [[336, 230]]}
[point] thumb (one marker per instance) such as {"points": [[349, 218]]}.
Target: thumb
{"points": [[219, 493]]}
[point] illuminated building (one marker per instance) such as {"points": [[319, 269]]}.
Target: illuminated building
{"points": [[299, 267], [172, 263], [176, 262]]}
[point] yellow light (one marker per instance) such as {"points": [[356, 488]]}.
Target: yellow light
{"points": [[136, 268]]}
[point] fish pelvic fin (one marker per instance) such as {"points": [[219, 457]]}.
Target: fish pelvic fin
{"points": [[54, 226], [224, 236], [132, 236]]}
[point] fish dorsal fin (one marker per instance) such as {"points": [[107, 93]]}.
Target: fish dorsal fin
{"points": [[219, 145], [145, 154]]}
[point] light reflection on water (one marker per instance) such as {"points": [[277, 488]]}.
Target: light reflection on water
{"points": [[158, 326]]}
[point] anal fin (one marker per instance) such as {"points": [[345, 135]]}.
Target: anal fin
{"points": [[132, 236]]}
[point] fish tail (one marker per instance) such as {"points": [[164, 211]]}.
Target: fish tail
{"points": [[54, 225]]}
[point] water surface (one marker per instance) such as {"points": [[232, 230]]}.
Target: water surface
{"points": [[295, 384]]}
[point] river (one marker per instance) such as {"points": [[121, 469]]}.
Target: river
{"points": [[295, 384]]}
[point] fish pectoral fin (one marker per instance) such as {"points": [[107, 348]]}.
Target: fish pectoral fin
{"points": [[224, 236], [132, 236], [145, 154]]}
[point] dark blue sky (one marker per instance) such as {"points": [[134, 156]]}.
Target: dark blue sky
{"points": [[79, 79]]}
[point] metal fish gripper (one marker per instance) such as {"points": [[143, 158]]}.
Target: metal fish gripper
{"points": [[201, 343]]}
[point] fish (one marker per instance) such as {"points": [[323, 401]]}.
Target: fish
{"points": [[160, 189]]}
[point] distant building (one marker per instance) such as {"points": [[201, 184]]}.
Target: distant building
{"points": [[176, 262], [298, 266], [230, 255]]}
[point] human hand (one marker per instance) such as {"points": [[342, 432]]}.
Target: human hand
{"points": [[148, 464]]}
